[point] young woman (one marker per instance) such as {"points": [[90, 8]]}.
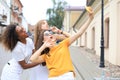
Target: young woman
{"points": [[40, 72], [57, 56], [15, 39]]}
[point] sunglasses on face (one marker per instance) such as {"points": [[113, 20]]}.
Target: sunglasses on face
{"points": [[48, 32]]}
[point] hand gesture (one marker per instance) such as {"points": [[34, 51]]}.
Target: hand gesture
{"points": [[47, 43], [90, 11], [55, 29]]}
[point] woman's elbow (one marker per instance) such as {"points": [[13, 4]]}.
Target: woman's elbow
{"points": [[24, 67], [36, 61], [32, 59]]}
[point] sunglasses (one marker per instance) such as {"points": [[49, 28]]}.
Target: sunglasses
{"points": [[48, 32]]}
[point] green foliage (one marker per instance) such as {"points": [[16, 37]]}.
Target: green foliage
{"points": [[56, 13]]}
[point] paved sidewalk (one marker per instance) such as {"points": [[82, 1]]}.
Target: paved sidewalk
{"points": [[85, 68], [87, 65]]}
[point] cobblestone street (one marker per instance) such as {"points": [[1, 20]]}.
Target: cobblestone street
{"points": [[110, 69]]}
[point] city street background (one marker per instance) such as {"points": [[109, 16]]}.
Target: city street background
{"points": [[86, 64]]}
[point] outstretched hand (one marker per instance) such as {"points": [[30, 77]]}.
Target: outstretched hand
{"points": [[90, 11]]}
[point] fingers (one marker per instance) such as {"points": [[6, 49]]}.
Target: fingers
{"points": [[55, 29], [47, 43], [90, 11]]}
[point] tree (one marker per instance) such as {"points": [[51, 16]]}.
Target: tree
{"points": [[56, 13]]}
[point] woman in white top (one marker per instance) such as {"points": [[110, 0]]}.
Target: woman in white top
{"points": [[39, 72], [15, 39]]}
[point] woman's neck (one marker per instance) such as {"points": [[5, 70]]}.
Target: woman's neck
{"points": [[23, 41]]}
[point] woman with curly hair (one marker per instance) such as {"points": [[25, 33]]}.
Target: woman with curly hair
{"points": [[15, 40]]}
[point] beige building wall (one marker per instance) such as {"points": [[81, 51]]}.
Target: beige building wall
{"points": [[69, 20], [118, 36], [114, 51], [91, 38]]}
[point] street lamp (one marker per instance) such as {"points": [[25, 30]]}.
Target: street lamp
{"points": [[102, 35]]}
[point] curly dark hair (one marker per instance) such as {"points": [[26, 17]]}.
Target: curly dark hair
{"points": [[10, 37]]}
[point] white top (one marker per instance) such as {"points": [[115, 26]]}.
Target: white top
{"points": [[21, 52]]}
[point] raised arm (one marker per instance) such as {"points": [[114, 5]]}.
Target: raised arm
{"points": [[84, 27], [36, 57], [60, 35]]}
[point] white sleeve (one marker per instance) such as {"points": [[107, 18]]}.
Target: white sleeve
{"points": [[18, 54], [31, 43], [33, 47]]}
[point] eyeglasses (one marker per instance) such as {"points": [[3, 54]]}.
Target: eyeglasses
{"points": [[48, 32]]}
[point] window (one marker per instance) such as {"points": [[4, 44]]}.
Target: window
{"points": [[106, 33]]}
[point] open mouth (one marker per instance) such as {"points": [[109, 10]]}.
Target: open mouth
{"points": [[51, 37]]}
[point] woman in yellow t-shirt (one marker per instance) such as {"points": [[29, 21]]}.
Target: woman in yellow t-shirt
{"points": [[40, 72], [57, 56]]}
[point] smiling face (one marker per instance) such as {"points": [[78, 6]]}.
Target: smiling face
{"points": [[21, 32]]}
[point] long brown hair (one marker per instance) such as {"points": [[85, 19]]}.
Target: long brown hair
{"points": [[37, 30], [10, 37], [40, 43], [46, 50]]}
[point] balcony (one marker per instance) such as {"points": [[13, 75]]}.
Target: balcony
{"points": [[16, 9], [3, 18], [20, 15]]}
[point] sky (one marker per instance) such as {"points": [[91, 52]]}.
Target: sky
{"points": [[35, 10]]}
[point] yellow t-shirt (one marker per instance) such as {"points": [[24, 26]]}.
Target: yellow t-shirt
{"points": [[58, 60]]}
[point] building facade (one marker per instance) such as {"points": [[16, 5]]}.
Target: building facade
{"points": [[91, 38], [16, 12], [11, 13], [4, 14]]}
